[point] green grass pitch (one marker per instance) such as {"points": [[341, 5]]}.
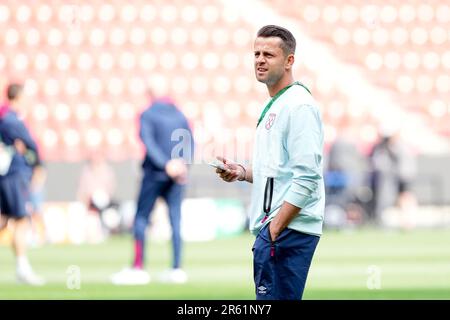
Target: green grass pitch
{"points": [[362, 264]]}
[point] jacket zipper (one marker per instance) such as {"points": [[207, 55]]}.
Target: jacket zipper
{"points": [[268, 194]]}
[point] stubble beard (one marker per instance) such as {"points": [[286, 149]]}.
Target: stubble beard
{"points": [[271, 79]]}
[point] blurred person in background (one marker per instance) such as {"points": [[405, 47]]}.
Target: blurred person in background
{"points": [[15, 179], [393, 171], [344, 178], [96, 189], [288, 196], [164, 175]]}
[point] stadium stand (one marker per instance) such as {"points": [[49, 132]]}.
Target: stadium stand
{"points": [[87, 65]]}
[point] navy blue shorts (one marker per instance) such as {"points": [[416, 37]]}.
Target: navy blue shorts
{"points": [[280, 268], [14, 195]]}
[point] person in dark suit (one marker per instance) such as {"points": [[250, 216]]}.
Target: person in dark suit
{"points": [[167, 137]]}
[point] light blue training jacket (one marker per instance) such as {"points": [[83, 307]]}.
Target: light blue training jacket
{"points": [[288, 148]]}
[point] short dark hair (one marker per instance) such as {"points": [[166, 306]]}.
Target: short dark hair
{"points": [[288, 44], [13, 91]]}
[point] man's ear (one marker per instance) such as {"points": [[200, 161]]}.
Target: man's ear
{"points": [[289, 61]]}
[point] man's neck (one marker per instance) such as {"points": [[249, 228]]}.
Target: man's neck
{"points": [[12, 106], [284, 82]]}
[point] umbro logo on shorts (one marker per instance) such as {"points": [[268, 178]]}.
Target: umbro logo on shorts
{"points": [[262, 290]]}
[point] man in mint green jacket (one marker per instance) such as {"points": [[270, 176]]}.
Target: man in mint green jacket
{"points": [[287, 204]]}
